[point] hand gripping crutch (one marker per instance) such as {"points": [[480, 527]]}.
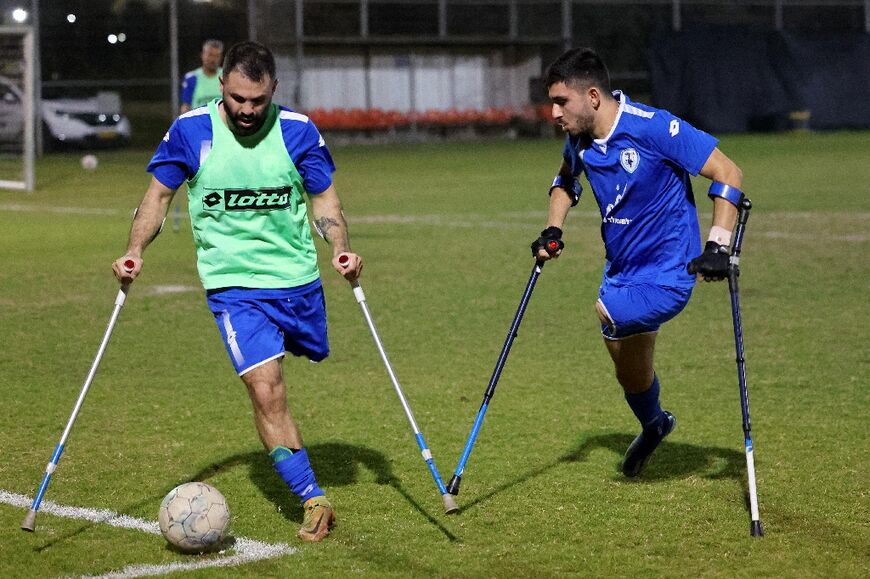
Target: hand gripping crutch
{"points": [[453, 485], [449, 503], [29, 522], [755, 528]]}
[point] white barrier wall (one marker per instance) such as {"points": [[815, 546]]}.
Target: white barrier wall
{"points": [[408, 82]]}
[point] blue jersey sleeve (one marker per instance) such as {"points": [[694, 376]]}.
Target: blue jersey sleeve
{"points": [[188, 141], [308, 151], [188, 85], [176, 160], [680, 142]]}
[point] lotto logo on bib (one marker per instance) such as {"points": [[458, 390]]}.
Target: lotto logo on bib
{"points": [[249, 199]]}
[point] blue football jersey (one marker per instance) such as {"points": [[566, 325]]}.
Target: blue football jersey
{"points": [[188, 142], [639, 174]]}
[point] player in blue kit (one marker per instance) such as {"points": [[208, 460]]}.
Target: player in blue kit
{"points": [[637, 160], [249, 166], [203, 84]]}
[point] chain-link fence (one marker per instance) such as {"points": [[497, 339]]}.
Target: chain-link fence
{"points": [[406, 60]]}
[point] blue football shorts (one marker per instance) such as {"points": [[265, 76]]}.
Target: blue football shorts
{"points": [[640, 307], [259, 325]]}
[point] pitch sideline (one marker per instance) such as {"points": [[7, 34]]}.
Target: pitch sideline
{"points": [[246, 550], [503, 220]]}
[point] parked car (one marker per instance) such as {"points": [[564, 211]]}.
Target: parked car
{"points": [[81, 122], [11, 117], [73, 122]]}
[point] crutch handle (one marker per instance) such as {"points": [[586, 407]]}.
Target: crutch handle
{"points": [[554, 245], [357, 290], [128, 266]]}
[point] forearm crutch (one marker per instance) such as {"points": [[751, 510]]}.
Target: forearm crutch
{"points": [[29, 522], [755, 528]]}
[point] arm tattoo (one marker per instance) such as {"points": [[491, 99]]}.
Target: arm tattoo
{"points": [[324, 224]]}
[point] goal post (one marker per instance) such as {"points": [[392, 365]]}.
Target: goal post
{"points": [[17, 108]]}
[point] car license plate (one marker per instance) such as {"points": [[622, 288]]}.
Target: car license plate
{"points": [[108, 135]]}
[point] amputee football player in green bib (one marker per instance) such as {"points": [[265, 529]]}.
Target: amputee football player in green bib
{"points": [[247, 163]]}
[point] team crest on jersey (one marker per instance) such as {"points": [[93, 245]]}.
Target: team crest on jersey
{"points": [[629, 159], [248, 199]]}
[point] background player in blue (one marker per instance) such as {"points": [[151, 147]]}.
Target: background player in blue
{"points": [[201, 85], [247, 163], [637, 160]]}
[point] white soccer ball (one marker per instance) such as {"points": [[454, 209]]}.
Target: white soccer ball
{"points": [[89, 162], [194, 517]]}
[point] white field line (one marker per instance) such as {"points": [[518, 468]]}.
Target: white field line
{"points": [[21, 208], [518, 219], [163, 290], [246, 550], [854, 238]]}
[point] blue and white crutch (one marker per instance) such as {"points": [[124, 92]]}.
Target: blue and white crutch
{"points": [[456, 480], [449, 502], [755, 528], [29, 522]]}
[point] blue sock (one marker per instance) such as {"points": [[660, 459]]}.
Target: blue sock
{"points": [[646, 405], [296, 472]]}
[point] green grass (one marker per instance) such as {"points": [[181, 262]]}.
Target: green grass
{"points": [[444, 230]]}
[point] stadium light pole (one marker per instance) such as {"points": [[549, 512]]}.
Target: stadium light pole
{"points": [[173, 56], [299, 30], [567, 21], [37, 81], [252, 20]]}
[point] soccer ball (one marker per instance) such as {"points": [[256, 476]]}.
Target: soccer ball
{"points": [[89, 162], [194, 517]]}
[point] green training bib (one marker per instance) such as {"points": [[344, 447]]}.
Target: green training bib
{"points": [[206, 88], [250, 222]]}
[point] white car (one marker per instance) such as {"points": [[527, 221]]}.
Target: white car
{"points": [[11, 117], [78, 122], [82, 122]]}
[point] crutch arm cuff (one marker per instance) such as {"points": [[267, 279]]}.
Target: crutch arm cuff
{"points": [[572, 188], [731, 194]]}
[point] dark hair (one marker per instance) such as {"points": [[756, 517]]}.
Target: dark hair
{"points": [[213, 43], [252, 59], [579, 66]]}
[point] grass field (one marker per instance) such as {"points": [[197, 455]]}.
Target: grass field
{"points": [[444, 230]]}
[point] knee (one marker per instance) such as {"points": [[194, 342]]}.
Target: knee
{"points": [[634, 380], [267, 395]]}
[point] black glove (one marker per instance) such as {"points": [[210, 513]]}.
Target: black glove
{"points": [[550, 241], [713, 263]]}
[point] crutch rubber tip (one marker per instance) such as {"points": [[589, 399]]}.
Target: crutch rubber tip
{"points": [[29, 522], [450, 505], [453, 485], [755, 529]]}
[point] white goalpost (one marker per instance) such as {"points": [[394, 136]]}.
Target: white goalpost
{"points": [[17, 108]]}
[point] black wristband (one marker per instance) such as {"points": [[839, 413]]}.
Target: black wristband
{"points": [[550, 241], [552, 232]]}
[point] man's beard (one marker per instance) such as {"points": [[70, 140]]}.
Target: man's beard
{"points": [[245, 130]]}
